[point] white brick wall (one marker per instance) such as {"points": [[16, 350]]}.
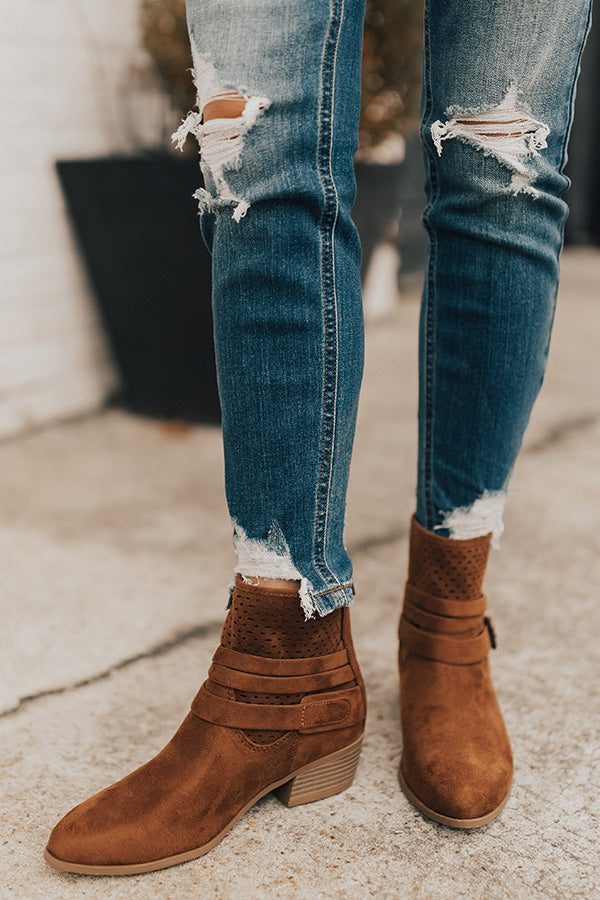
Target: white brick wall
{"points": [[66, 73]]}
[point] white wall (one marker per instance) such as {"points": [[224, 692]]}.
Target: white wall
{"points": [[72, 81]]}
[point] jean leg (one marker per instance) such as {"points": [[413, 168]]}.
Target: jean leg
{"points": [[497, 104], [275, 213]]}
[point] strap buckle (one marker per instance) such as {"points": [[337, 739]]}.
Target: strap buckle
{"points": [[491, 631]]}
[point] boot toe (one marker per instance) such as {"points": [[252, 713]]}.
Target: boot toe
{"points": [[231, 749], [460, 791], [87, 837], [75, 839]]}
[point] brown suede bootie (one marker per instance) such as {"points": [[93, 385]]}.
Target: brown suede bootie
{"points": [[282, 710], [456, 764]]}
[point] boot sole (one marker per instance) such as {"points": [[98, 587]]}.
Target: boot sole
{"points": [[316, 781], [447, 820]]}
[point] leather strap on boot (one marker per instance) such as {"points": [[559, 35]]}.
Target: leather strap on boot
{"points": [[414, 642], [456, 764], [282, 711], [325, 711], [451, 631]]}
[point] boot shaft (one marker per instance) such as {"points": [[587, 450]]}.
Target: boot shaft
{"points": [[447, 568], [270, 622]]}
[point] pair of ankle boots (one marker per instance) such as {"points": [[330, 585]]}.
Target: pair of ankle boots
{"points": [[283, 711]]}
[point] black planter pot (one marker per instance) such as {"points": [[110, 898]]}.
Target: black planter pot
{"points": [[137, 225], [390, 199], [413, 237], [583, 167], [378, 205]]}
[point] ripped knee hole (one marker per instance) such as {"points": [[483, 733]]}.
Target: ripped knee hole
{"points": [[224, 117], [507, 132]]}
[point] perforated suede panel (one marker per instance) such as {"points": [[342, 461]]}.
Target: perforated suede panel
{"points": [[446, 567], [265, 623], [270, 623]]}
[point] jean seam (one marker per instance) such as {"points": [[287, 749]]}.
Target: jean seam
{"points": [[428, 364], [338, 587], [327, 230]]}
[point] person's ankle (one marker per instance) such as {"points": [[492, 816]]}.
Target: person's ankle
{"points": [[276, 584]]}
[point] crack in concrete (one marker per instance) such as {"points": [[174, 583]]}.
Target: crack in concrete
{"points": [[558, 433], [182, 637], [360, 547], [553, 436]]}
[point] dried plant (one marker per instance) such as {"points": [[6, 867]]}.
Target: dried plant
{"points": [[391, 63], [391, 71], [165, 37]]}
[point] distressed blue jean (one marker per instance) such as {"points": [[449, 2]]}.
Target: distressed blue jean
{"points": [[497, 103]]}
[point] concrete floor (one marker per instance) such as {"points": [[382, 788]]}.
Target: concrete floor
{"points": [[116, 555]]}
